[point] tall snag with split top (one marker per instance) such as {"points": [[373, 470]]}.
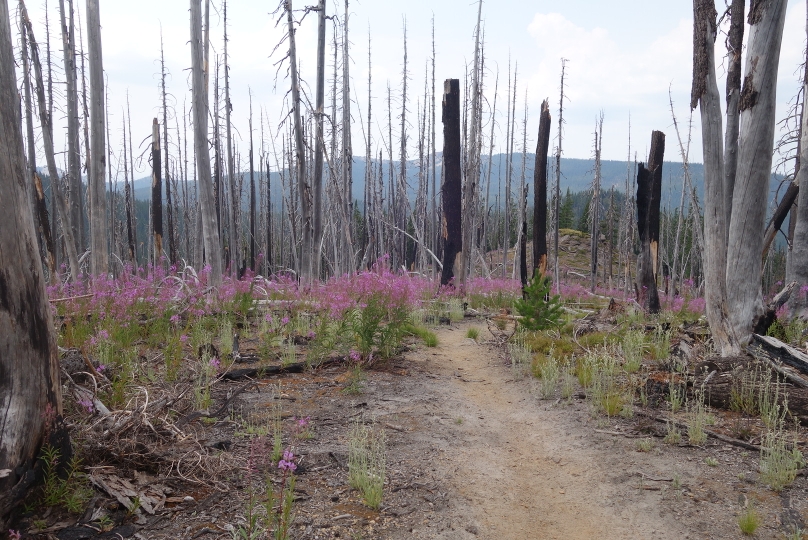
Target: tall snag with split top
{"points": [[451, 189]]}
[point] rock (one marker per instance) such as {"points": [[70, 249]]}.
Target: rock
{"points": [[472, 529]]}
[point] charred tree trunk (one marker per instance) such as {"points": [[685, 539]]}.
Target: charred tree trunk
{"points": [[649, 191], [451, 189], [157, 194], [252, 196], [172, 250], [540, 192], [30, 397], [319, 140]]}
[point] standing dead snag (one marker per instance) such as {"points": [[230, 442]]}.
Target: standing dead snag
{"points": [[540, 192], [649, 191], [98, 155], [452, 214], [157, 194], [30, 399], [210, 232]]}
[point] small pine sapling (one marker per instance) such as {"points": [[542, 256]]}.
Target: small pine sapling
{"points": [[539, 310]]}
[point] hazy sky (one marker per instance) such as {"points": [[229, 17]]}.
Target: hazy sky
{"points": [[623, 57]]}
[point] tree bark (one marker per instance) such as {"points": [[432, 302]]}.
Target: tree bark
{"points": [[649, 190], [47, 142], [540, 192], [73, 143], [306, 251], [99, 258], [30, 398], [210, 231], [157, 195], [755, 143], [319, 140], [705, 94], [799, 254], [451, 189], [735, 46]]}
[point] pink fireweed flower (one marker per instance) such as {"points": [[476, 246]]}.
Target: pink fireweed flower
{"points": [[285, 320], [87, 404], [214, 363], [354, 355], [287, 463], [101, 368], [184, 338]]}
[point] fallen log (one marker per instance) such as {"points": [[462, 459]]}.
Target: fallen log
{"points": [[269, 371], [718, 378], [783, 352]]}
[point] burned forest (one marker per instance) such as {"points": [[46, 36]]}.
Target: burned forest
{"points": [[340, 270]]}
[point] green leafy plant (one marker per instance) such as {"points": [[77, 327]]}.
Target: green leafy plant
{"points": [[473, 333], [633, 348], [539, 310], [71, 490], [645, 445], [695, 429], [356, 381], [780, 459]]}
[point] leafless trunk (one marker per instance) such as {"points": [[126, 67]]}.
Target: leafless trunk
{"points": [[755, 143], [73, 143], [558, 172], [172, 250], [705, 94], [733, 96], [157, 195], [99, 258], [452, 218], [199, 68], [252, 196], [799, 253], [540, 192], [594, 206], [649, 190], [47, 140], [30, 396], [306, 253]]}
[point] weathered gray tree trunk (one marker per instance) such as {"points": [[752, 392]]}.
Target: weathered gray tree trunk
{"points": [[306, 252], [649, 190], [755, 143], [594, 207], [799, 254], [705, 94], [233, 208], [540, 192], [199, 67], [99, 258], [30, 398], [452, 214], [73, 143], [40, 207], [172, 249], [733, 96], [47, 142], [319, 140], [157, 195]]}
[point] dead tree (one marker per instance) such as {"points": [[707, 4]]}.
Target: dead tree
{"points": [[734, 235], [157, 195], [473, 152], [30, 395], [649, 191], [799, 253], [73, 144], [46, 124], [99, 258], [594, 206], [451, 189], [199, 68], [540, 192], [558, 172], [319, 140], [172, 250], [40, 206]]}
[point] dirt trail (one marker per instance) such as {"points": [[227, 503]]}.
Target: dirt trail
{"points": [[521, 468]]}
